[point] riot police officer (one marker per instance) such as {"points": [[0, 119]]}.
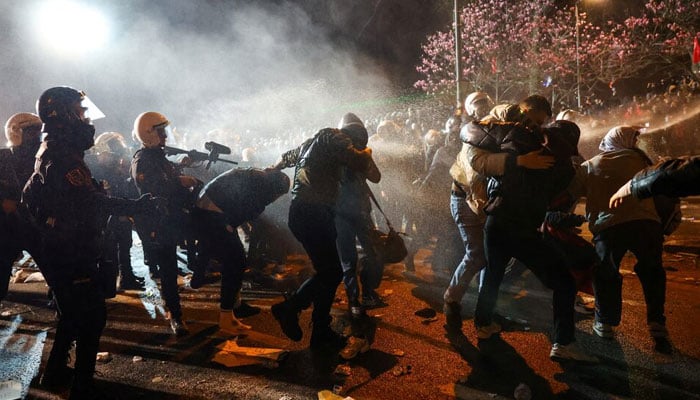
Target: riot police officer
{"points": [[67, 207], [110, 163], [22, 131], [154, 174]]}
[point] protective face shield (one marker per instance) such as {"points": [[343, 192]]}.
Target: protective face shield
{"points": [[22, 128], [65, 105], [152, 129], [477, 105], [67, 115]]}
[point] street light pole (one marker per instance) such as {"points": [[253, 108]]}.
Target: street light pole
{"points": [[578, 61], [458, 46]]}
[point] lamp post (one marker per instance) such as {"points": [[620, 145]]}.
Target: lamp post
{"points": [[578, 60], [458, 46]]}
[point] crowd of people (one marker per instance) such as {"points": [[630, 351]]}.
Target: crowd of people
{"points": [[480, 188]]}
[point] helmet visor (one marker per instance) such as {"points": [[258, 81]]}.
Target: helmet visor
{"points": [[92, 112]]}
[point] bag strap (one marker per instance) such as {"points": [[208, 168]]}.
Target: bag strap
{"points": [[374, 199]]}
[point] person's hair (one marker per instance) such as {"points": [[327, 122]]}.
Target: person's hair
{"points": [[536, 102]]}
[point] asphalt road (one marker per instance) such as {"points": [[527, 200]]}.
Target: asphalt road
{"points": [[429, 363]]}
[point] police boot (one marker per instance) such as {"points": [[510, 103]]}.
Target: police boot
{"points": [[228, 323]]}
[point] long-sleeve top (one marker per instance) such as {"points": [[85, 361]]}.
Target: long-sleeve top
{"points": [[599, 178], [677, 177], [318, 165]]}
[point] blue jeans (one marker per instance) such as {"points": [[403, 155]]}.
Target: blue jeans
{"points": [[348, 229], [471, 228], [645, 240]]}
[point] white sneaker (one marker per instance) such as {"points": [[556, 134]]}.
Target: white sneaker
{"points": [[603, 330], [485, 332], [570, 352]]}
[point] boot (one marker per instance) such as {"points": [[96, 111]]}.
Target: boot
{"points": [[228, 323]]}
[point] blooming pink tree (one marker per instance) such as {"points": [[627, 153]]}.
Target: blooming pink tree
{"points": [[514, 48], [656, 44]]}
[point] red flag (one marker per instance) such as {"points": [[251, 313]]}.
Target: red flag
{"points": [[696, 51]]}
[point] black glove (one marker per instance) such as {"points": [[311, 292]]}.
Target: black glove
{"points": [[147, 204]]}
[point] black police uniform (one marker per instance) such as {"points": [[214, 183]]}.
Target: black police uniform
{"points": [[112, 171], [16, 166], [68, 208], [153, 173]]}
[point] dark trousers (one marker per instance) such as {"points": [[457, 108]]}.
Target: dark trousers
{"points": [[118, 242], [219, 240], [20, 236], [165, 257], [82, 317], [350, 228], [503, 241], [314, 226], [644, 239]]}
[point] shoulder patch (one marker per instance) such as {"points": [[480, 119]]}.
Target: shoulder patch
{"points": [[78, 177]]}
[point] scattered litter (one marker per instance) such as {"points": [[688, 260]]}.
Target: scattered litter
{"points": [[397, 352], [34, 277], [337, 389], [426, 313], [286, 397], [401, 370], [233, 355], [103, 357], [522, 392], [137, 359], [157, 379], [10, 390], [427, 321], [388, 292], [328, 395], [6, 313], [493, 395], [343, 369], [378, 315], [681, 253], [672, 269]]}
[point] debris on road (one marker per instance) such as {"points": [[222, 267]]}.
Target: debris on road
{"points": [[233, 355], [397, 352], [401, 370], [103, 357], [137, 359]]}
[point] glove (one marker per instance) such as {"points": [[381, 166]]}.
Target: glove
{"points": [[621, 194], [147, 204], [535, 160]]}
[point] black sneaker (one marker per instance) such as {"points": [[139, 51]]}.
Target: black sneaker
{"points": [[245, 310], [178, 326], [453, 316], [288, 320], [197, 280], [372, 302], [56, 379]]}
